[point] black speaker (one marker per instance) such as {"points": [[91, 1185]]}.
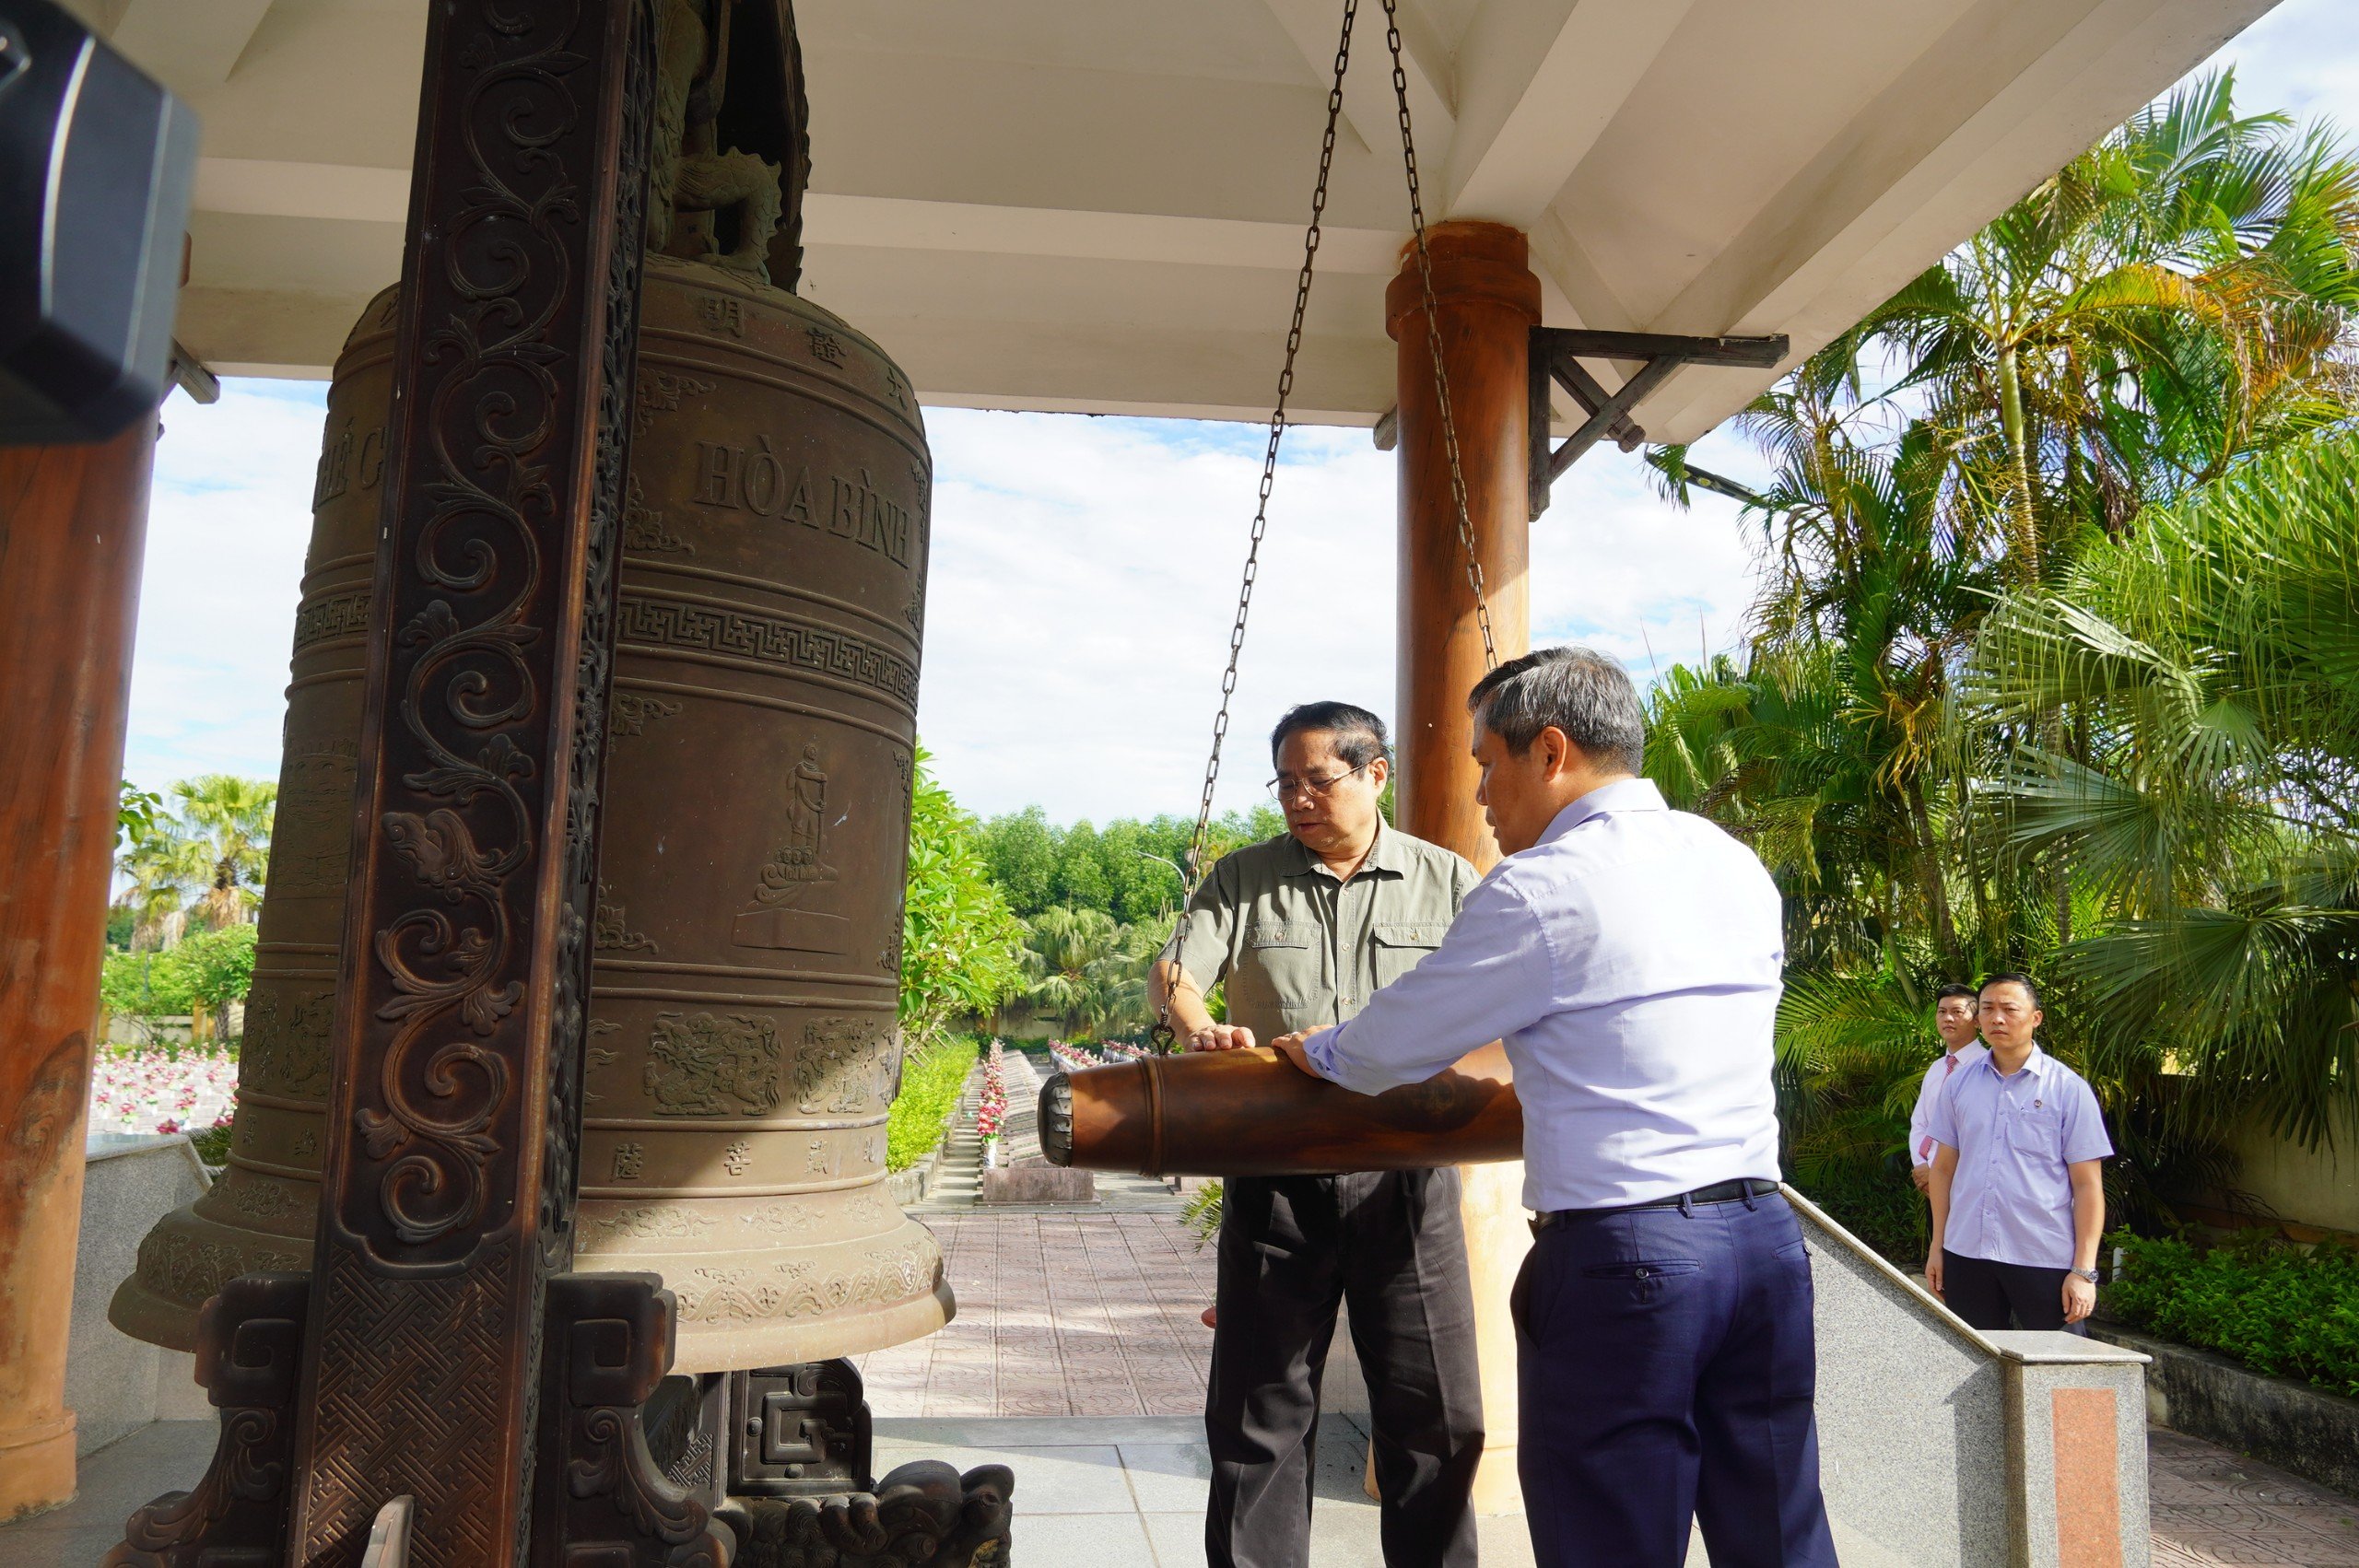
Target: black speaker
{"points": [[96, 161]]}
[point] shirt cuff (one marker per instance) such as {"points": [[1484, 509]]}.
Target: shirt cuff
{"points": [[1320, 1048]]}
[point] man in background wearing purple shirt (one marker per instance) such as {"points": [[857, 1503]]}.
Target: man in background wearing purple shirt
{"points": [[2018, 1192], [1629, 957]]}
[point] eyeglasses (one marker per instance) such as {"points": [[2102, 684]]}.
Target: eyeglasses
{"points": [[1317, 789]]}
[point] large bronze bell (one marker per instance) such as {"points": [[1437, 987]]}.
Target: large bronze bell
{"points": [[742, 1047]]}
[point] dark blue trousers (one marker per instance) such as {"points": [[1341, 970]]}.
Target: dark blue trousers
{"points": [[1667, 1368]]}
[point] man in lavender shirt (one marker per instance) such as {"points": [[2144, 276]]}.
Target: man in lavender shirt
{"points": [[1629, 957], [2018, 1190]]}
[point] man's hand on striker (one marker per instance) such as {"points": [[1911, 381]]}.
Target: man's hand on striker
{"points": [[1294, 1048], [1221, 1037]]}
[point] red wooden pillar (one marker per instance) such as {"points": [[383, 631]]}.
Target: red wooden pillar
{"points": [[1487, 300], [73, 523]]}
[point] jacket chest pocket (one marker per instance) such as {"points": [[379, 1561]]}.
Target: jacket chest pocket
{"points": [[1399, 944], [1283, 965]]}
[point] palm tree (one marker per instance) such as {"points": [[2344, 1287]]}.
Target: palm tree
{"points": [[1087, 971], [1831, 738], [2176, 295], [230, 819], [163, 865], [2212, 814]]}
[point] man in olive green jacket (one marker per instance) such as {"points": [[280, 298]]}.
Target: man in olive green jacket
{"points": [[1303, 928]]}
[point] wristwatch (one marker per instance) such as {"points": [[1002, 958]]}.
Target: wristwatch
{"points": [[2088, 1274]]}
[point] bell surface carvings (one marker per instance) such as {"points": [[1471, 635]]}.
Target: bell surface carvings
{"points": [[742, 1045]]}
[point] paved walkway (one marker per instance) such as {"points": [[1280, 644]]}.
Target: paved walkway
{"points": [[2212, 1506], [1063, 1310]]}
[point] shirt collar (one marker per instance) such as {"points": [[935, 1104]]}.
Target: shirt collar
{"points": [[1386, 856], [1622, 795], [2036, 1064]]}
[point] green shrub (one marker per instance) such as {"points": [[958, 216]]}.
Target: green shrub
{"points": [[1881, 1206], [213, 967], [1202, 1212], [2286, 1310], [212, 1144], [930, 1083]]}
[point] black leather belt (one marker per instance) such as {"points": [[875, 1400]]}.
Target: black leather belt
{"points": [[1718, 1192]]}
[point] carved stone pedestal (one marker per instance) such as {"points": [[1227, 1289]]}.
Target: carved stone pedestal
{"points": [[788, 1451]]}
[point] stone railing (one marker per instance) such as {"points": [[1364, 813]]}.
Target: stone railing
{"points": [[1942, 1447]]}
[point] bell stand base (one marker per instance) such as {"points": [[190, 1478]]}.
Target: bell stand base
{"points": [[766, 1469]]}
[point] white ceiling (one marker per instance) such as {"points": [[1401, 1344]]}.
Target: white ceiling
{"points": [[1098, 204]]}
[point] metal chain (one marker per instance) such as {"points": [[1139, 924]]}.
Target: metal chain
{"points": [[1433, 343], [1194, 874]]}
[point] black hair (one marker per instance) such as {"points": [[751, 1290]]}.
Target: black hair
{"points": [[2031, 988], [1954, 988], [1360, 736], [1577, 690]]}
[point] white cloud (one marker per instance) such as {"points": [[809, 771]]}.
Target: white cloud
{"points": [[230, 516], [1085, 574], [2301, 57]]}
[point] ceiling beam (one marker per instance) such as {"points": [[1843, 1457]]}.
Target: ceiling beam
{"points": [[1370, 106], [189, 44], [1537, 84], [269, 188], [892, 223]]}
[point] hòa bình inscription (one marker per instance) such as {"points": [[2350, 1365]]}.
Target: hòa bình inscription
{"points": [[754, 479], [782, 915]]}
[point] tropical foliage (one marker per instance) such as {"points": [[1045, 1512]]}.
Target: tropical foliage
{"points": [[1088, 973], [199, 857], [212, 970], [962, 947], [1129, 870], [2053, 665]]}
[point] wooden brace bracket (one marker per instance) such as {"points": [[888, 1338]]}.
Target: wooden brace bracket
{"points": [[1557, 356]]}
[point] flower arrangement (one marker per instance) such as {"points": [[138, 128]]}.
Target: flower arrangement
{"points": [[991, 1109], [1072, 1057], [156, 1090], [1123, 1051]]}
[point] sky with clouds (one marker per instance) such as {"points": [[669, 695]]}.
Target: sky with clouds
{"points": [[1084, 572]]}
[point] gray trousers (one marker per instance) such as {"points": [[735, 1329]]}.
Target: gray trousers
{"points": [[1388, 1246]]}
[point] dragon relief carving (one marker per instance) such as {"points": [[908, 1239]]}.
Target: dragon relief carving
{"points": [[842, 1066], [704, 1064], [286, 1044], [193, 1272]]}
